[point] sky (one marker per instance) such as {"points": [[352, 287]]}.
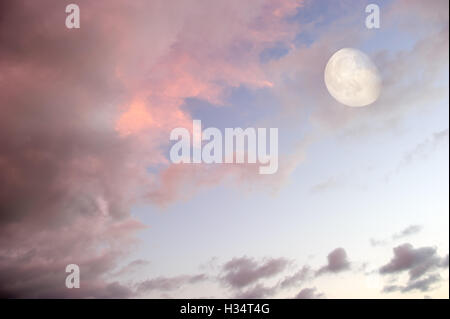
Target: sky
{"points": [[359, 206]]}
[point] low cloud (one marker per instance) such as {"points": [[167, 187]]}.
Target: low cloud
{"points": [[169, 283], [244, 271], [423, 285], [417, 261], [257, 292], [309, 293], [411, 230], [408, 231], [421, 263], [444, 263], [377, 242], [337, 262], [299, 276]]}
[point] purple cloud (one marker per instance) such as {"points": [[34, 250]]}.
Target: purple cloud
{"points": [[241, 272], [410, 230], [257, 292], [425, 284], [169, 283], [416, 260], [337, 262], [296, 278], [309, 293]]}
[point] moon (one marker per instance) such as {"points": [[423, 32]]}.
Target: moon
{"points": [[352, 78]]}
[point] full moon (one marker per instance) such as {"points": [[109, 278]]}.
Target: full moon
{"points": [[352, 78]]}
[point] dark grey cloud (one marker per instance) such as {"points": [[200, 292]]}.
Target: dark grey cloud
{"points": [[422, 265], [48, 280], [423, 285], [444, 263], [295, 279], [115, 290], [391, 288], [65, 182], [377, 242], [257, 292], [410, 230], [243, 271], [417, 261], [169, 283], [309, 293], [247, 276], [337, 262]]}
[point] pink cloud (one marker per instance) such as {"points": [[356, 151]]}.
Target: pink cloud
{"points": [[85, 112]]}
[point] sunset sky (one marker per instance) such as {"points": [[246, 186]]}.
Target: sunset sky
{"points": [[359, 206]]}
